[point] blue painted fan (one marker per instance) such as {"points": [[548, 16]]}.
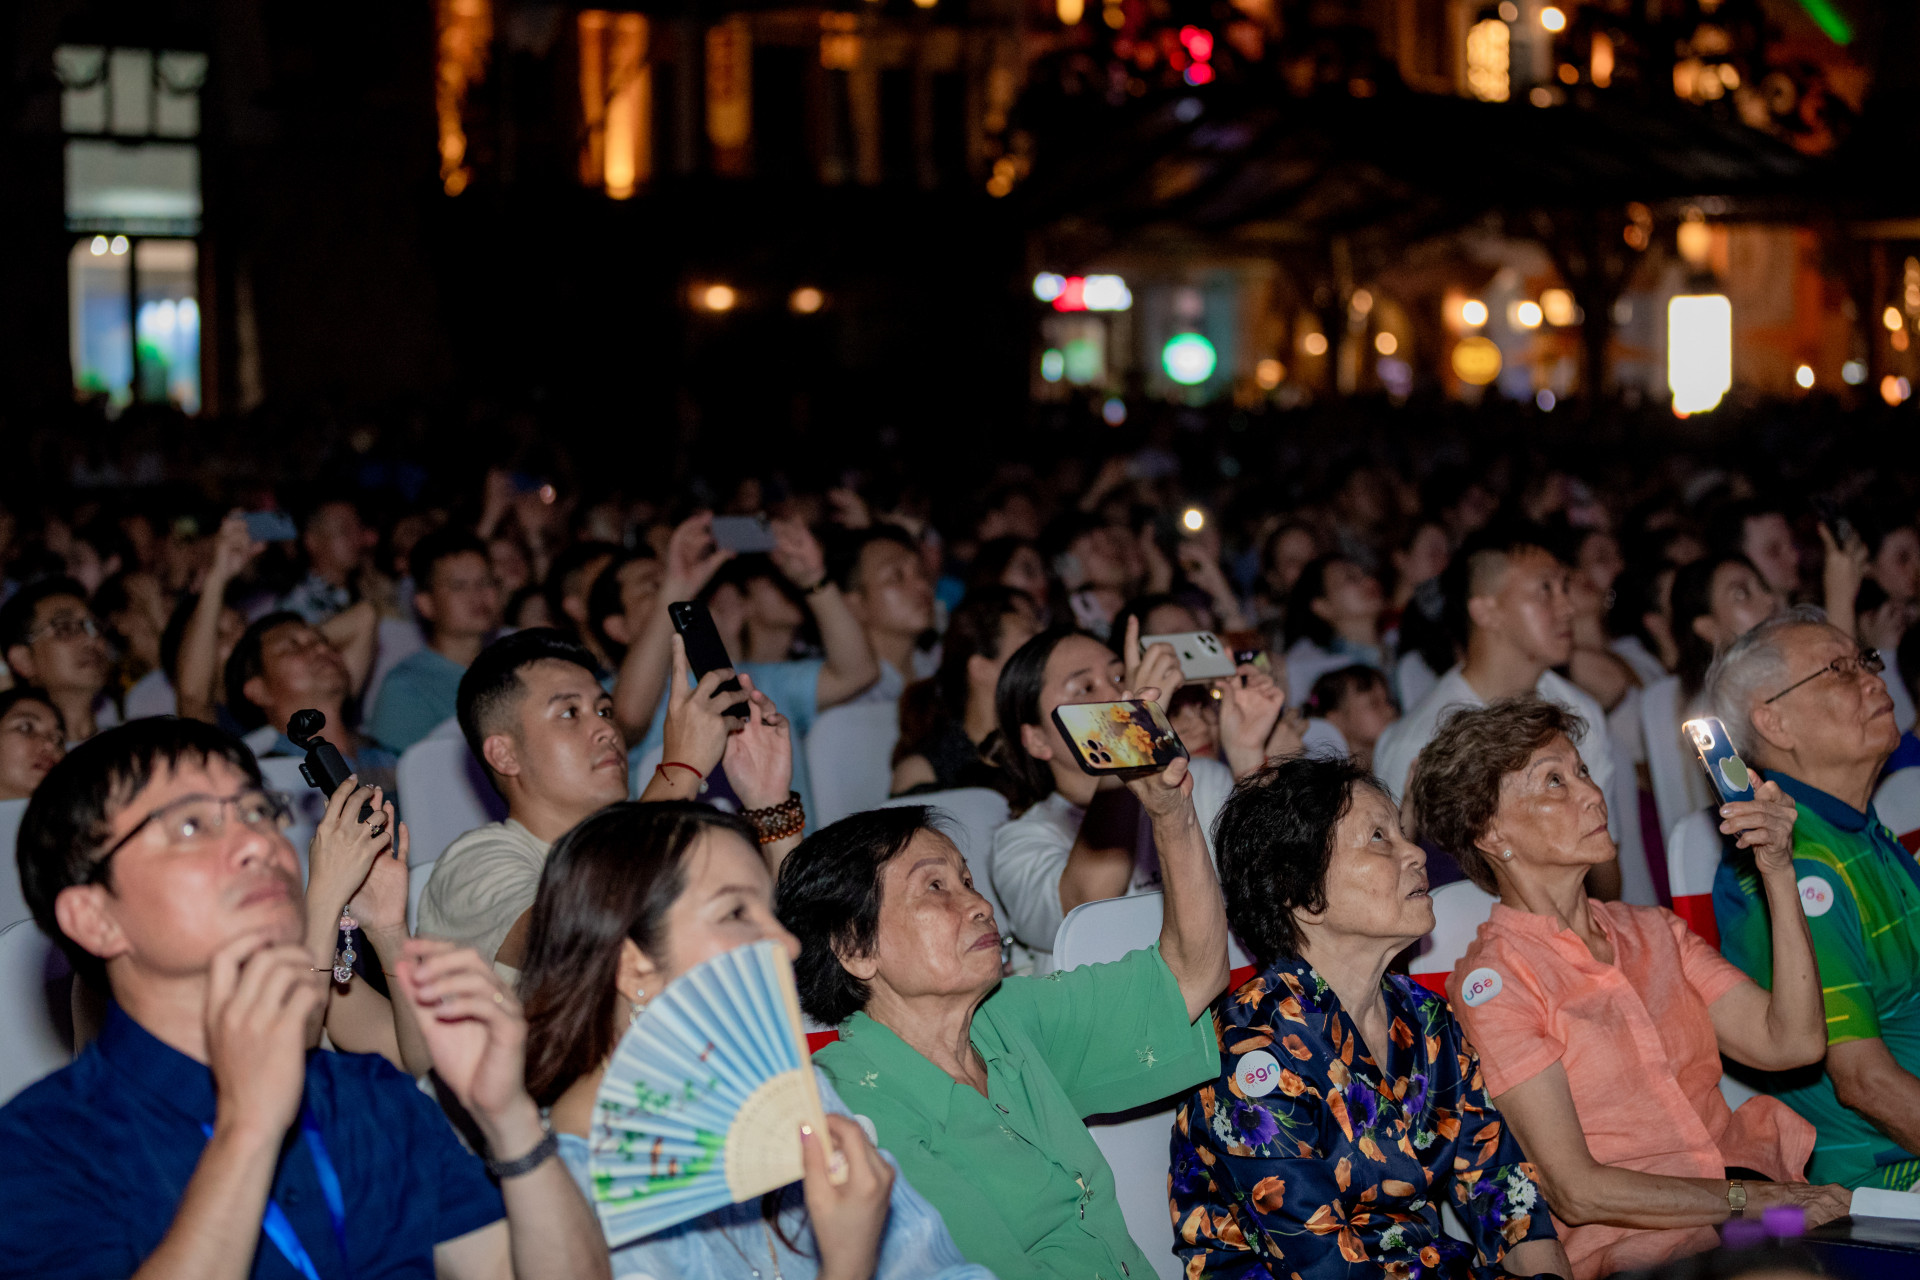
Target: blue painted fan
{"points": [[703, 1102]]}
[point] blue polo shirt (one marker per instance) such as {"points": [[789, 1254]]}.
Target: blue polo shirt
{"points": [[98, 1156], [418, 695]]}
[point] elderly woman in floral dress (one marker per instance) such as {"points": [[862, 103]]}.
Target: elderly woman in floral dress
{"points": [[1348, 1101]]}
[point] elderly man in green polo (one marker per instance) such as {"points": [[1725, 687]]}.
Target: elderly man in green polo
{"points": [[978, 1086], [1804, 704]]}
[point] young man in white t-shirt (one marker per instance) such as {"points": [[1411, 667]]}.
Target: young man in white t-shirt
{"points": [[534, 714], [1519, 625]]}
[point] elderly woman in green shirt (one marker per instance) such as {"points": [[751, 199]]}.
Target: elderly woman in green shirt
{"points": [[979, 1085]]}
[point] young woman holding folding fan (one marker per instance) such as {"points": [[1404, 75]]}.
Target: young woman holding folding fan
{"points": [[630, 899]]}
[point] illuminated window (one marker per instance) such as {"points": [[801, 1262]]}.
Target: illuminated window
{"points": [[466, 29], [616, 101], [132, 120]]}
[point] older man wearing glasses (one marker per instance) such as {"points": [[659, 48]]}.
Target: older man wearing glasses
{"points": [[1804, 702]]}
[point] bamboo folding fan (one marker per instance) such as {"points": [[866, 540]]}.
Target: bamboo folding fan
{"points": [[703, 1102]]}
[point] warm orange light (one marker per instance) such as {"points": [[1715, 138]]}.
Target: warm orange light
{"points": [[465, 33], [1070, 11], [718, 297], [1473, 313], [1892, 319], [806, 300], [1557, 306], [1476, 361], [1385, 343], [1314, 344], [1600, 65], [1269, 374], [1526, 314], [1553, 19], [1894, 390]]}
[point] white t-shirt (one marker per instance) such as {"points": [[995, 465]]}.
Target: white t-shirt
{"points": [[1408, 736], [484, 882], [1030, 855]]}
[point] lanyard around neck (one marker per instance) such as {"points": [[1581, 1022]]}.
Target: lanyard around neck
{"points": [[279, 1228]]}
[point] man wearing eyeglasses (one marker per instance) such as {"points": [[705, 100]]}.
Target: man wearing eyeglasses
{"points": [[198, 1136], [50, 638], [1803, 701]]}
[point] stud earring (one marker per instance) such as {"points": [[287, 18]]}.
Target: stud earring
{"points": [[1506, 855], [639, 1002]]}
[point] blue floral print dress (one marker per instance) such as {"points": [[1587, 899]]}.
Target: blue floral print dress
{"points": [[1307, 1159]]}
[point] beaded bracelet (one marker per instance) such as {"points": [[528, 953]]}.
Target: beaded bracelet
{"points": [[777, 822]]}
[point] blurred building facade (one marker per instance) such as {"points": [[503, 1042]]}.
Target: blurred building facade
{"points": [[766, 214]]}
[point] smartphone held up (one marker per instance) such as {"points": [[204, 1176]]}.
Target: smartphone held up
{"points": [[1724, 767], [1119, 739]]}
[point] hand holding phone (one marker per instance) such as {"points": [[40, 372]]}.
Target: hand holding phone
{"points": [[705, 650], [1202, 654], [1119, 739], [1725, 769]]}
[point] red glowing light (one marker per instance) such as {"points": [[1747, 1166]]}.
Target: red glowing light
{"points": [[1073, 295], [1199, 73], [1198, 42]]}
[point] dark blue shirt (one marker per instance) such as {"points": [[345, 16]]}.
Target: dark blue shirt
{"points": [[97, 1157]]}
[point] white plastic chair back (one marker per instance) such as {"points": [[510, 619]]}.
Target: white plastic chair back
{"points": [[282, 773], [1623, 805], [975, 813], [444, 793], [13, 900], [36, 1035], [849, 760], [1693, 856], [1459, 909], [1897, 801], [395, 641], [1680, 786]]}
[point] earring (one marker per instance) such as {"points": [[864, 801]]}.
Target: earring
{"points": [[639, 1003], [1506, 855]]}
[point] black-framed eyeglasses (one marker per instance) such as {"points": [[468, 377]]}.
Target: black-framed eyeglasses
{"points": [[192, 819], [1866, 660]]}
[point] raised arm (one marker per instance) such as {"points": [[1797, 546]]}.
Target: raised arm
{"points": [[1843, 569], [196, 678], [695, 735], [1250, 707], [692, 560], [355, 632], [1193, 927], [1786, 1027], [759, 764], [260, 1000], [477, 1035], [1582, 1190], [850, 667]]}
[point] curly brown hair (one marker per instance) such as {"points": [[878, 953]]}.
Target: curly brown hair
{"points": [[1455, 790]]}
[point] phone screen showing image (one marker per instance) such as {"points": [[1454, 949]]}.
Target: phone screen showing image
{"points": [[1124, 739]]}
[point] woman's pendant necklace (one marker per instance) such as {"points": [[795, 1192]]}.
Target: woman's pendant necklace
{"points": [[773, 1258]]}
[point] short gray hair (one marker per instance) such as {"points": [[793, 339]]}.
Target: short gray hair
{"points": [[1753, 662]]}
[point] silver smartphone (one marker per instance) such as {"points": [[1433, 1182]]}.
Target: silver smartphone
{"points": [[1203, 655], [748, 535]]}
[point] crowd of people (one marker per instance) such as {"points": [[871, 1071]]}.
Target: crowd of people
{"points": [[1471, 670]]}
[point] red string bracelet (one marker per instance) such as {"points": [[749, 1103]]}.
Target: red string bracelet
{"points": [[665, 765]]}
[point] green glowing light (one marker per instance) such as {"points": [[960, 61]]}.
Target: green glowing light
{"points": [[1830, 20]]}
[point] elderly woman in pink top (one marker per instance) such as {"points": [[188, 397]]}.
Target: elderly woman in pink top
{"points": [[1600, 1025]]}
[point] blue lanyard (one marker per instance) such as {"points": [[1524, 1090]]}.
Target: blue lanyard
{"points": [[275, 1222]]}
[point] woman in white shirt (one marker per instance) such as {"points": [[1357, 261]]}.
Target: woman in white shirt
{"points": [[1077, 838]]}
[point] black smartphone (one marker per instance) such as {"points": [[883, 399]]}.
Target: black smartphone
{"points": [[705, 652], [1838, 525], [324, 768]]}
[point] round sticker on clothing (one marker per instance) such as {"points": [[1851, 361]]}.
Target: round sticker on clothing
{"points": [[1258, 1074], [1481, 986], [1816, 895]]}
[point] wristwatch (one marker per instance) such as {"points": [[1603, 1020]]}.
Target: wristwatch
{"points": [[1736, 1197]]}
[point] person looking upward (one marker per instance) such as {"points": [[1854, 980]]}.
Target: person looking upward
{"points": [[890, 595], [51, 639], [459, 607]]}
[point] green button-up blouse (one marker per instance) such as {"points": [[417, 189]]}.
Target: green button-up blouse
{"points": [[1022, 1186]]}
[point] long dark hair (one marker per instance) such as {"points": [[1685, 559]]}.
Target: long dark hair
{"points": [[1302, 622], [609, 880], [1692, 599], [1016, 702], [973, 628]]}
